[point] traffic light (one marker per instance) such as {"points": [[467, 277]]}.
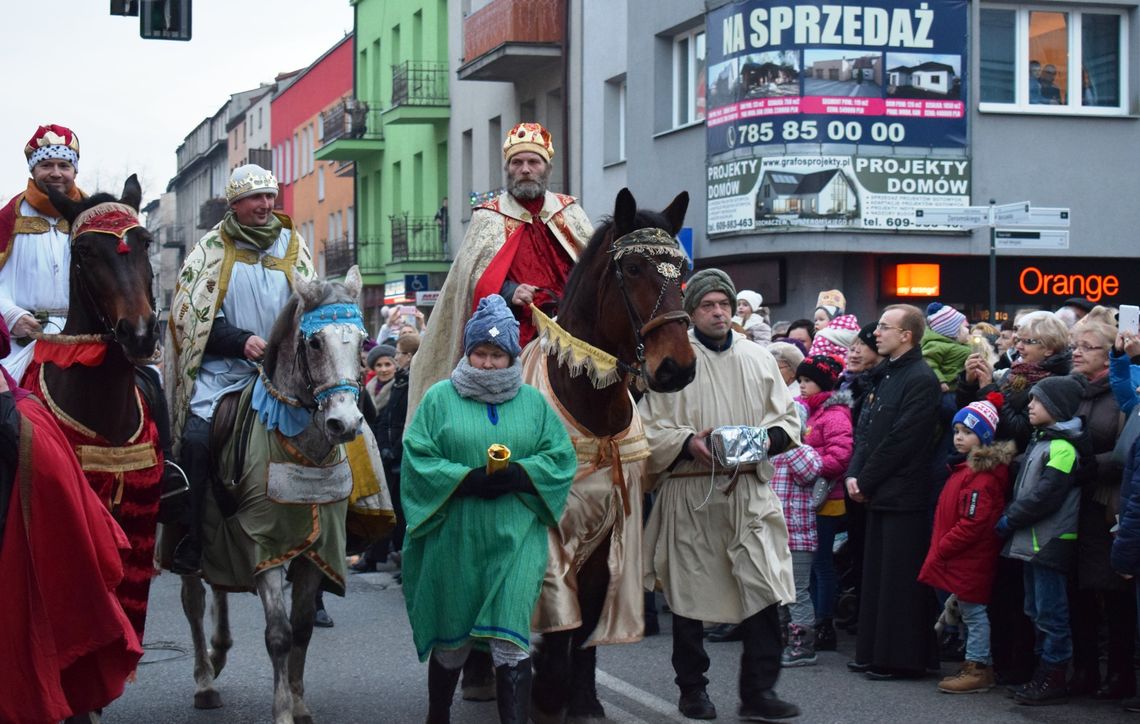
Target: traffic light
{"points": [[165, 19]]}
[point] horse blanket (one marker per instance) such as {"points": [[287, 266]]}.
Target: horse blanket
{"points": [[604, 502]]}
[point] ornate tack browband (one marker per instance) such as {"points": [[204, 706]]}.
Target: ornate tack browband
{"points": [[254, 182], [111, 218], [652, 242], [317, 319]]}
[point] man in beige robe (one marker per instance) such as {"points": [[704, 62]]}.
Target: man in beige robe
{"points": [[522, 245], [718, 550]]}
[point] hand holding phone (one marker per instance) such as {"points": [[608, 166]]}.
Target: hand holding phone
{"points": [[1129, 319]]}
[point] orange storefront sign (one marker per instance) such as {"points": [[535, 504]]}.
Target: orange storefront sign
{"points": [[917, 280], [1094, 287]]}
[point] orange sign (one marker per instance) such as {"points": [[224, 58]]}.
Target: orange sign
{"points": [[1093, 287], [917, 280]]}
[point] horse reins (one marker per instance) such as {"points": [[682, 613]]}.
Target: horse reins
{"points": [[648, 242]]}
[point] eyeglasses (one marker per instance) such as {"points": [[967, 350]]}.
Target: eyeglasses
{"points": [[884, 327], [1025, 340], [1086, 348]]}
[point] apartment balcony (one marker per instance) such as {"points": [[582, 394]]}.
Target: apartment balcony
{"points": [[416, 238], [352, 132], [512, 40], [419, 93], [340, 255]]}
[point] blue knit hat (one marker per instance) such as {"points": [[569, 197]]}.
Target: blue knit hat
{"points": [[493, 323]]}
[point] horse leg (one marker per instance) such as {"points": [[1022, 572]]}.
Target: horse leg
{"points": [[221, 641], [593, 583], [549, 693], [194, 606], [306, 579], [278, 639]]}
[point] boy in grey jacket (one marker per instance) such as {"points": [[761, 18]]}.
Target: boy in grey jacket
{"points": [[1040, 525]]}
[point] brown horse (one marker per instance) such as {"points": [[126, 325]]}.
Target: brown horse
{"points": [[624, 298], [88, 378]]}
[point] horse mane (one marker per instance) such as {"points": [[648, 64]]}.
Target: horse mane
{"points": [[88, 202], [290, 318], [584, 272]]}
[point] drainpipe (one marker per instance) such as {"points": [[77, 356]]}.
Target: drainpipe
{"points": [[566, 95]]}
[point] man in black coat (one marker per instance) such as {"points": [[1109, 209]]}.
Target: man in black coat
{"points": [[890, 473]]}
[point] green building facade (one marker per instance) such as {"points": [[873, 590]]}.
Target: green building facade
{"points": [[392, 134]]}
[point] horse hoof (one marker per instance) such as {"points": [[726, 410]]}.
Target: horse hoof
{"points": [[208, 699]]}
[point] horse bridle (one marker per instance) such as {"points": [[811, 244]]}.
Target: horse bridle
{"points": [[649, 242], [312, 322]]}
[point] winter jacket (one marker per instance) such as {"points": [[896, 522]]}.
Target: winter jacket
{"points": [[964, 548], [1046, 497], [1123, 378], [1013, 417], [1126, 546], [389, 429], [830, 432], [792, 481], [897, 433], [947, 357], [1099, 478]]}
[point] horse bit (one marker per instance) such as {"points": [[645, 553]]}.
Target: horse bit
{"points": [[651, 242]]}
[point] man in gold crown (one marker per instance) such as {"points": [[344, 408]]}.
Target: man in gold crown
{"points": [[521, 245], [35, 251], [230, 290]]}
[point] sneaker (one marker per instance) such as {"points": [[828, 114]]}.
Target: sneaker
{"points": [[1132, 704], [322, 619], [972, 678], [767, 707], [696, 704], [800, 650]]}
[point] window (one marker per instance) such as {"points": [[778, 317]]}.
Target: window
{"points": [[614, 102], [321, 183], [688, 77], [320, 127], [1049, 60]]}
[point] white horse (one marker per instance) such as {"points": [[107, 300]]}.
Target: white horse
{"points": [[282, 498]]}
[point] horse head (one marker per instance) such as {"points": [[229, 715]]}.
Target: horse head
{"points": [[313, 353], [637, 264], [111, 280]]}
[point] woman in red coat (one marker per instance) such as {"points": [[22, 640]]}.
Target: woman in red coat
{"points": [[964, 547]]}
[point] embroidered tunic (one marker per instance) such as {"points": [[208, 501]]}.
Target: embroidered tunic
{"points": [[473, 567]]}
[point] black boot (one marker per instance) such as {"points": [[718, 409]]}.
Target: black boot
{"points": [[825, 639], [441, 690], [584, 703], [1048, 687], [512, 688], [478, 677], [187, 557]]}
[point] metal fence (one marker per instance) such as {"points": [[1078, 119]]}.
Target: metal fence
{"points": [[419, 83], [351, 118], [340, 254], [416, 238]]}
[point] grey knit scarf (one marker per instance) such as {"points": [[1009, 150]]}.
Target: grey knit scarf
{"points": [[491, 386]]}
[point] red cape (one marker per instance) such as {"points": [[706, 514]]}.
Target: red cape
{"points": [[8, 221], [68, 645]]}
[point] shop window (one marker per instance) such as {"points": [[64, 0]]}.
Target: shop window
{"points": [[688, 77], [1048, 60]]}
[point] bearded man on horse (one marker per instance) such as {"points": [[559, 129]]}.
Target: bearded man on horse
{"points": [[35, 244], [520, 245], [231, 288]]}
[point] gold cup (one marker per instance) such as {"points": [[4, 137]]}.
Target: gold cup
{"points": [[498, 456]]}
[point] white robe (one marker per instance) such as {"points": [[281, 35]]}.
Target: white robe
{"points": [[717, 557], [35, 279]]}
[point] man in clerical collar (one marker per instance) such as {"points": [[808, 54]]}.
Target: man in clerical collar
{"points": [[250, 256], [35, 250]]}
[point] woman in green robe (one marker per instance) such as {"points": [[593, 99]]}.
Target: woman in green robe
{"points": [[476, 545]]}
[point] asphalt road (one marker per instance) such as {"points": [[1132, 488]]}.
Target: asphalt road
{"points": [[840, 89], [365, 670]]}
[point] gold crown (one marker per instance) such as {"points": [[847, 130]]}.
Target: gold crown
{"points": [[51, 135], [250, 179], [528, 137]]}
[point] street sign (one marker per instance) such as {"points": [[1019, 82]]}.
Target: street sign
{"points": [[426, 299], [969, 217], [1040, 216], [1011, 213], [685, 237], [1031, 238], [394, 288], [416, 283]]}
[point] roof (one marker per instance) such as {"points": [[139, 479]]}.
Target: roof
{"points": [[928, 65], [813, 183], [794, 184]]}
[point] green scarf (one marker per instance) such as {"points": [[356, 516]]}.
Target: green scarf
{"points": [[260, 236]]}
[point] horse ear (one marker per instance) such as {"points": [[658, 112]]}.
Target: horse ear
{"points": [[674, 213], [308, 290], [67, 208], [353, 281], [625, 209], [132, 192]]}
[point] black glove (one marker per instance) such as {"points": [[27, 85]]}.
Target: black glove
{"points": [[511, 479], [472, 483]]}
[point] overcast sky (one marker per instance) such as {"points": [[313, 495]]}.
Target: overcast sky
{"points": [[132, 101]]}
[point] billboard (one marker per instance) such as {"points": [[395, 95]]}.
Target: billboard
{"points": [[882, 72], [813, 193]]}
